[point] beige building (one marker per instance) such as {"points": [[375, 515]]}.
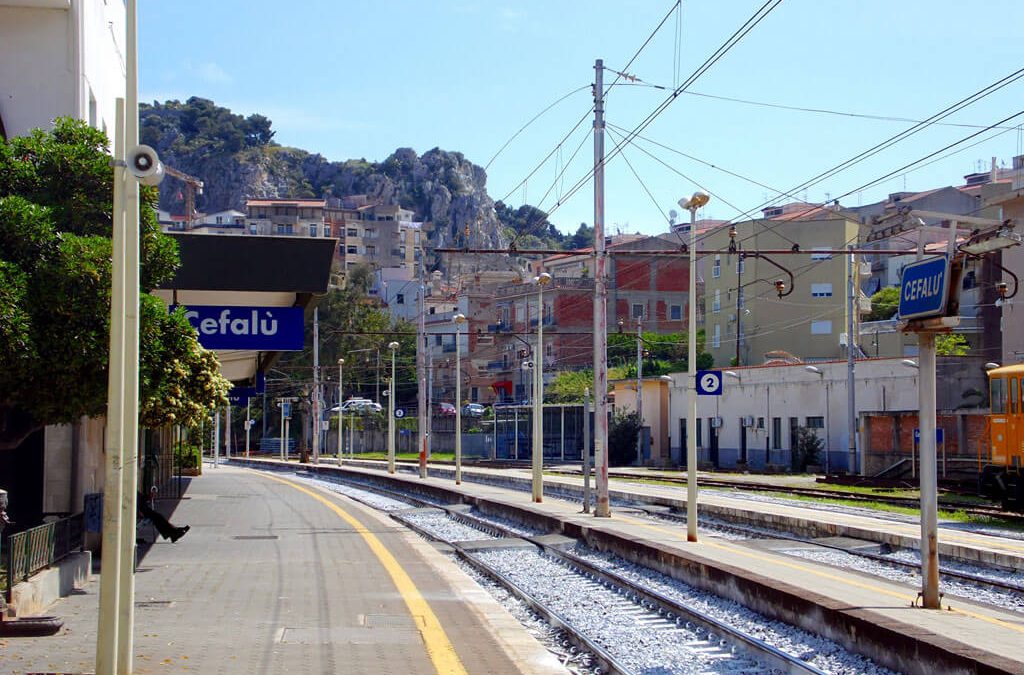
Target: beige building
{"points": [[284, 217], [380, 235], [744, 317]]}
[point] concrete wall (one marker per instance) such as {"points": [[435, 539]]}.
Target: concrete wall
{"points": [[72, 464]]}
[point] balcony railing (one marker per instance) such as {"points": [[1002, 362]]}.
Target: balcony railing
{"points": [[35, 548]]}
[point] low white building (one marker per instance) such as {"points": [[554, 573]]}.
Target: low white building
{"points": [[756, 416]]}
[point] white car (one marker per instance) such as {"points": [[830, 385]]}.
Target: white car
{"points": [[358, 405]]}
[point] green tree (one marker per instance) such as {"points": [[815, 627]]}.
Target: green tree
{"points": [[884, 304], [808, 448], [951, 344], [568, 386], [56, 198], [622, 435]]}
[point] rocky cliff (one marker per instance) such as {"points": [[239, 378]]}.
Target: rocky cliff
{"points": [[236, 158]]}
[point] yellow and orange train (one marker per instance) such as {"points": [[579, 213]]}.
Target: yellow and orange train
{"points": [[1002, 477]]}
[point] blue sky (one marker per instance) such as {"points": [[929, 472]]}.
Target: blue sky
{"points": [[360, 78]]}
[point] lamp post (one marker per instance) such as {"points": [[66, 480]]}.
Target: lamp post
{"points": [[639, 392], [393, 346], [537, 455], [667, 379], [458, 320], [341, 398], [697, 200]]}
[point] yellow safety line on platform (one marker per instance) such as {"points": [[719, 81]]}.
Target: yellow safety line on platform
{"points": [[775, 560], [440, 649]]}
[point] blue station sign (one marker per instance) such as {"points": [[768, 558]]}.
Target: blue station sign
{"points": [[924, 289], [250, 328]]}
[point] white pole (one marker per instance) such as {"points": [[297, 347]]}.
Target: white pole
{"points": [[602, 508], [280, 404], [421, 376], [391, 412], [458, 319], [227, 431], [695, 202], [851, 410], [248, 423], [106, 639], [929, 480], [639, 393], [287, 433], [537, 454], [316, 385], [216, 439], [341, 416], [130, 420]]}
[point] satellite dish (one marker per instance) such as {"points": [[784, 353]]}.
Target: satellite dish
{"points": [[673, 214]]}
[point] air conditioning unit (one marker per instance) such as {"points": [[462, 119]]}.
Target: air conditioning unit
{"points": [[748, 421], [716, 422]]}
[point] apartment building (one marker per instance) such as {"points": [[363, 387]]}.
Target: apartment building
{"points": [[744, 317], [380, 235], [286, 217]]}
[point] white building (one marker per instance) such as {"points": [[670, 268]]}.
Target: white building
{"points": [[60, 58]]}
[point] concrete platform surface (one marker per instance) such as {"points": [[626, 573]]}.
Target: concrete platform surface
{"points": [[275, 579], [871, 615]]}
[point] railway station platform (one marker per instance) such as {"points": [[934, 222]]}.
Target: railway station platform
{"points": [[875, 617], [274, 577]]}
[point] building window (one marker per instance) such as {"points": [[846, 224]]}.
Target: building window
{"points": [[400, 298], [353, 232], [371, 250], [821, 256], [370, 234], [280, 229], [700, 439], [637, 310], [312, 230], [716, 339], [716, 271], [474, 394], [220, 220], [252, 229], [675, 312], [821, 290], [821, 328], [352, 250], [716, 306], [777, 433], [815, 423], [437, 340]]}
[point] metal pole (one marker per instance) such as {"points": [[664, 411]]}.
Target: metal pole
{"points": [[586, 450], [391, 412], [130, 420], [287, 433], [227, 431], [537, 450], [341, 415], [639, 393], [248, 423], [691, 391], [430, 400], [929, 482], [458, 401], [421, 395], [216, 439], [515, 436], [602, 507], [316, 385], [851, 405], [106, 639], [280, 404]]}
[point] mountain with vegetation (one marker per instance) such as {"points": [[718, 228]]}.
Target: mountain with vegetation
{"points": [[237, 158]]}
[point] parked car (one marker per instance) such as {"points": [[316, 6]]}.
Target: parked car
{"points": [[473, 410], [358, 405], [446, 410]]}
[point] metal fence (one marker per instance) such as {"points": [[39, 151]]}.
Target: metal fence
{"points": [[33, 549]]}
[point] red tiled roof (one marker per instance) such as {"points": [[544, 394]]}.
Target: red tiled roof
{"points": [[286, 202]]}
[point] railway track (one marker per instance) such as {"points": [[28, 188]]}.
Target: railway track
{"points": [[819, 493], [724, 647]]}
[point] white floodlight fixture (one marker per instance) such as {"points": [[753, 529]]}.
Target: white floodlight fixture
{"points": [[731, 373], [909, 363], [991, 365], [697, 200], [814, 369]]}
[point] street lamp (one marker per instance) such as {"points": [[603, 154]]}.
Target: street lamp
{"points": [[828, 445], [542, 280], [341, 418], [393, 346], [697, 200], [458, 320]]}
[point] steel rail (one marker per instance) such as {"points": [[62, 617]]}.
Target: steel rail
{"points": [[605, 660]]}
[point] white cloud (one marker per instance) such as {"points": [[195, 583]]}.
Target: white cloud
{"points": [[212, 72]]}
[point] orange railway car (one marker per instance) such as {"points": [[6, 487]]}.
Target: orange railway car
{"points": [[1003, 476]]}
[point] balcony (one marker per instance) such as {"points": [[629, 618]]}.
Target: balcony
{"points": [[496, 365]]}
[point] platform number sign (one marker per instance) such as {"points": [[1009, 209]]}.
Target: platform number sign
{"points": [[399, 413], [709, 383]]}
